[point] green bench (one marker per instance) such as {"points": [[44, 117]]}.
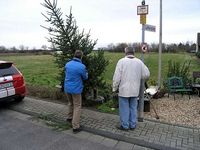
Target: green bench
{"points": [[175, 85]]}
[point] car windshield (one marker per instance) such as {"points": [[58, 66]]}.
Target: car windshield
{"points": [[7, 70]]}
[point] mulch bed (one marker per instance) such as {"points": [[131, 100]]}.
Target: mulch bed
{"points": [[181, 111]]}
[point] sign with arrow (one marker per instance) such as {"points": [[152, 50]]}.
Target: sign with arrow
{"points": [[150, 28]]}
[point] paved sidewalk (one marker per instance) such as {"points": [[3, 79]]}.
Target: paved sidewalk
{"points": [[149, 134]]}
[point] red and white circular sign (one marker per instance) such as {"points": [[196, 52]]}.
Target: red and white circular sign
{"points": [[144, 47]]}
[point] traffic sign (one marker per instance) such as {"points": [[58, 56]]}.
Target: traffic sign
{"points": [[142, 10], [150, 28], [143, 19], [144, 47]]}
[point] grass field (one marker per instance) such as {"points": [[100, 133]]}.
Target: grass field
{"points": [[151, 60], [37, 69], [41, 69]]}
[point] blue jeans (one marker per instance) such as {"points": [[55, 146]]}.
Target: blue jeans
{"points": [[128, 112]]}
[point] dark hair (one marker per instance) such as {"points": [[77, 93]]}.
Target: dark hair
{"points": [[78, 54]]}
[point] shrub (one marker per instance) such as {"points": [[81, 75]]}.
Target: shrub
{"points": [[198, 54], [176, 69]]}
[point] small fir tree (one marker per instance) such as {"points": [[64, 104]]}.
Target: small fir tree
{"points": [[65, 37]]}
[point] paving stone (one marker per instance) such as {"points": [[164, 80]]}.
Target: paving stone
{"points": [[156, 139], [173, 144], [185, 140], [179, 142], [163, 137], [167, 143], [143, 133], [191, 140], [196, 131], [151, 139]]}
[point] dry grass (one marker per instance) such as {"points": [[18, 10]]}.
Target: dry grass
{"points": [[181, 111], [53, 94]]}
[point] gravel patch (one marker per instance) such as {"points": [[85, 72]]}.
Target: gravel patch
{"points": [[181, 111]]}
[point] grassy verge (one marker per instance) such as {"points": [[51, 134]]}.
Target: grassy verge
{"points": [[110, 106], [45, 92], [49, 120]]}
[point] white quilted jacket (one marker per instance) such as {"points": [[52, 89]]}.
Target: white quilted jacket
{"points": [[128, 73]]}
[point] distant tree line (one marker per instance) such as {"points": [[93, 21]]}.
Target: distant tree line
{"points": [[21, 48], [119, 47], [25, 49], [153, 47]]}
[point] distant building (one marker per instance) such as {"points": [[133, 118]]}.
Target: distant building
{"points": [[198, 43]]}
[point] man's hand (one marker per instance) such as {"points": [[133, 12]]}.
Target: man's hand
{"points": [[115, 95]]}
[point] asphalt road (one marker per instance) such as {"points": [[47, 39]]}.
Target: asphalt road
{"points": [[19, 132]]}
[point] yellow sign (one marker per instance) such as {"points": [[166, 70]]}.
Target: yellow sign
{"points": [[142, 19]]}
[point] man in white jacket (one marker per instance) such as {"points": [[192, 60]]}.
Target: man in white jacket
{"points": [[126, 80]]}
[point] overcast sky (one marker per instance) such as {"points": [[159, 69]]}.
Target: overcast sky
{"points": [[110, 21]]}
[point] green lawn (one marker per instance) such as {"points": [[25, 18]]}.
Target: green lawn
{"points": [[151, 60], [41, 70], [37, 69]]}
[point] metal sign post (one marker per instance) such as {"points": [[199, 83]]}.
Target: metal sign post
{"points": [[141, 95], [142, 11]]}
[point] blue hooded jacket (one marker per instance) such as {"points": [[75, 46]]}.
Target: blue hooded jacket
{"points": [[75, 73]]}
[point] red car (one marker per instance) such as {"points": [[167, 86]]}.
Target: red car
{"points": [[12, 84]]}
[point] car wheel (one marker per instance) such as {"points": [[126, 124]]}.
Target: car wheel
{"points": [[19, 99]]}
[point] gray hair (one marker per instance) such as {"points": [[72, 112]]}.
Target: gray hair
{"points": [[78, 54], [129, 50]]}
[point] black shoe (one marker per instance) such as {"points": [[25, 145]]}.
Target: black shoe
{"points": [[77, 130], [121, 128], [69, 120], [132, 128]]}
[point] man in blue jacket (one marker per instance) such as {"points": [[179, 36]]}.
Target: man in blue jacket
{"points": [[75, 73]]}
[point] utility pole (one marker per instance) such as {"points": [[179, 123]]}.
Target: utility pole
{"points": [[160, 47]]}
